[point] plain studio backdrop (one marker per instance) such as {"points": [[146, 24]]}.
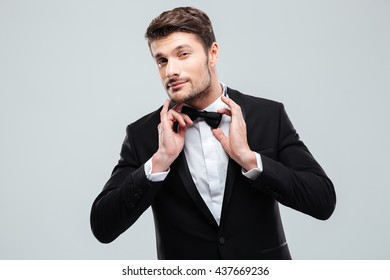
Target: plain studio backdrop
{"points": [[73, 74]]}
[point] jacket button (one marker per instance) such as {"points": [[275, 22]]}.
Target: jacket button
{"points": [[138, 193], [131, 204], [221, 240]]}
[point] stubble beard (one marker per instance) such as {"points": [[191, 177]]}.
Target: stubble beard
{"points": [[196, 92]]}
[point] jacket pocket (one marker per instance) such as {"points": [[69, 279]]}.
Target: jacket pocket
{"points": [[280, 252]]}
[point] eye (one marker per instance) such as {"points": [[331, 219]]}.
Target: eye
{"points": [[184, 54], [161, 62]]}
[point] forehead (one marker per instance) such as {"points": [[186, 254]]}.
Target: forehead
{"points": [[174, 41]]}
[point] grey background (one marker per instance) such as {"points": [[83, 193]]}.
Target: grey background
{"points": [[73, 74]]}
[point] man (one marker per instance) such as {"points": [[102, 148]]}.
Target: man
{"points": [[214, 181]]}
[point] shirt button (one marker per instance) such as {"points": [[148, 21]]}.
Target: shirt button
{"points": [[221, 240]]}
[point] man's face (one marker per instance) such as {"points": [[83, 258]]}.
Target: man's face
{"points": [[183, 66]]}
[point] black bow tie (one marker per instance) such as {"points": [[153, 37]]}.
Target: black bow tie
{"points": [[211, 118]]}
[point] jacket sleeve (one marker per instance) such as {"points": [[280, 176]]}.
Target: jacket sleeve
{"points": [[294, 178], [126, 195]]}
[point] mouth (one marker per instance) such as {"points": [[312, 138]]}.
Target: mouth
{"points": [[176, 85]]}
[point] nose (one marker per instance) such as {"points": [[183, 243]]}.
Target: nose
{"points": [[172, 69]]}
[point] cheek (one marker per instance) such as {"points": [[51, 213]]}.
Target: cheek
{"points": [[195, 69], [162, 73], [202, 71]]}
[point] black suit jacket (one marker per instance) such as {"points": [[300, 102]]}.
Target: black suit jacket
{"points": [[250, 225]]}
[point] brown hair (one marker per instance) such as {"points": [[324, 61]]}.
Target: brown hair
{"points": [[182, 19]]}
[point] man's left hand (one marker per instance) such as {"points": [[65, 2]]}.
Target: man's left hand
{"points": [[236, 143]]}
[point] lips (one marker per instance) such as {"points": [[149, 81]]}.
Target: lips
{"points": [[174, 85]]}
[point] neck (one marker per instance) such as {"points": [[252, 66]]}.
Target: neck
{"points": [[208, 97]]}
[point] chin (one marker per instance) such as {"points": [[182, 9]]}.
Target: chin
{"points": [[179, 97]]}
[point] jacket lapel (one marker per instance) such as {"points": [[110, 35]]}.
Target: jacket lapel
{"points": [[233, 168], [186, 178]]}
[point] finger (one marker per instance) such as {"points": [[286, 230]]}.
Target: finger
{"points": [[187, 119], [177, 107], [225, 100], [235, 110], [222, 138], [232, 105], [166, 116], [225, 111], [218, 133], [181, 131], [164, 110], [182, 119]]}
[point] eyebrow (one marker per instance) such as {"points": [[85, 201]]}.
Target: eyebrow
{"points": [[158, 55]]}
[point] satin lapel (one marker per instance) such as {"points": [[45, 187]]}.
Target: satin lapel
{"points": [[236, 97], [230, 180], [233, 168], [185, 175]]}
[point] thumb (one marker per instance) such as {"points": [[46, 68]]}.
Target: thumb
{"points": [[218, 133], [222, 138]]}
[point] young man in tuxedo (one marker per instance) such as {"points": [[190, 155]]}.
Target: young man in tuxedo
{"points": [[213, 163]]}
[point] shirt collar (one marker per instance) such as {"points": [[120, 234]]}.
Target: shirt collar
{"points": [[218, 104]]}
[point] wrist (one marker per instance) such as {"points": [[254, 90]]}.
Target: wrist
{"points": [[160, 162], [248, 160]]}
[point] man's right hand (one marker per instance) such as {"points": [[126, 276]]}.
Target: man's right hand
{"points": [[171, 143]]}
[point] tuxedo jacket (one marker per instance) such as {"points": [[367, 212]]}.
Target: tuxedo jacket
{"points": [[250, 225]]}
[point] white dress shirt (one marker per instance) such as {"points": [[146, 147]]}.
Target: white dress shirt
{"points": [[207, 160]]}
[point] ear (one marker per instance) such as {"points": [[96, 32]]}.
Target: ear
{"points": [[213, 54]]}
